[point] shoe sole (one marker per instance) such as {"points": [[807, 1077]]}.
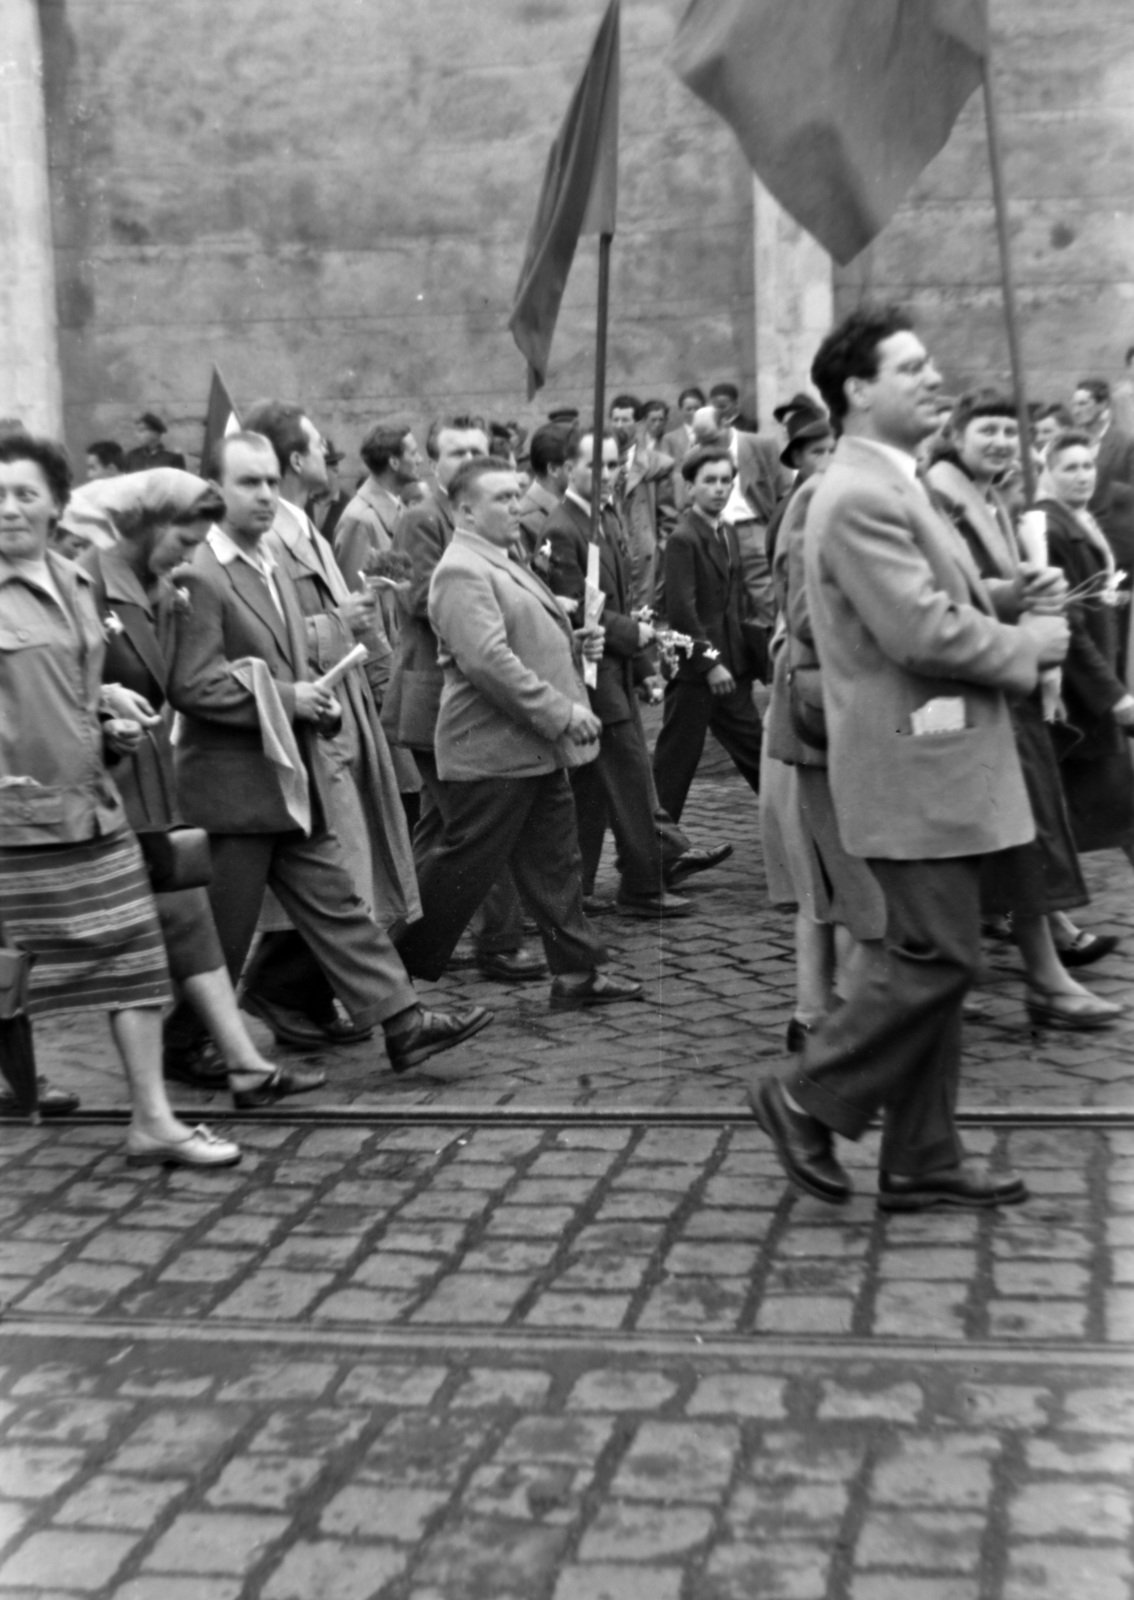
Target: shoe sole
{"points": [[570, 1002], [424, 1052], [813, 1189], [512, 977], [166, 1158], [898, 1202], [1070, 1024], [643, 914]]}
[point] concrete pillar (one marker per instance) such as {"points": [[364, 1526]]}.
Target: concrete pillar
{"points": [[29, 360], [794, 302]]}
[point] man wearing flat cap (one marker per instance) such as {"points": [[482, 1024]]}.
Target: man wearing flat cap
{"points": [[150, 450]]}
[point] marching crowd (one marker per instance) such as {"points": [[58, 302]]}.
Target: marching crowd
{"points": [[271, 747]]}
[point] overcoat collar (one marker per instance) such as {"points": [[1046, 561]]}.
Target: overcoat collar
{"points": [[133, 609]]}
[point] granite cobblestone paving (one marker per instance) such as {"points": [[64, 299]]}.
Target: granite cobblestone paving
{"points": [[450, 1361]]}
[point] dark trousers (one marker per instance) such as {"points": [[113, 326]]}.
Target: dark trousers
{"points": [[618, 788], [528, 823], [896, 1044], [315, 888], [691, 710], [498, 922]]}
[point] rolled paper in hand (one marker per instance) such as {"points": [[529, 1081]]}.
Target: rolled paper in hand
{"points": [[594, 602], [1033, 537], [353, 658]]}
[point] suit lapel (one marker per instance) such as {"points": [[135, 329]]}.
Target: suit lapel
{"points": [[253, 591]]}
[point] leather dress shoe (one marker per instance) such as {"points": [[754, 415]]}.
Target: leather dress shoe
{"points": [[599, 905], [289, 1026], [433, 1032], [1076, 1013], [597, 989], [1087, 947], [197, 1066], [695, 861], [653, 907], [802, 1143], [283, 1081], [50, 1101], [961, 1185], [513, 966]]}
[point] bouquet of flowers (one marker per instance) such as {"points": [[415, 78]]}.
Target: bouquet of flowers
{"points": [[671, 645], [387, 569]]}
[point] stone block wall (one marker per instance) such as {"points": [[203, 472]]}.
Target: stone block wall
{"points": [[331, 200]]}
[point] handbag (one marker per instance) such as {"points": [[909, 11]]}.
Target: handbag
{"points": [[176, 857], [17, 1054]]}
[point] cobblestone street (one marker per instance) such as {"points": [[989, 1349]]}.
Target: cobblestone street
{"points": [[451, 1361]]}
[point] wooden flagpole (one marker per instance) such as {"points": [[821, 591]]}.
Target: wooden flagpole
{"points": [[1011, 314], [600, 383]]}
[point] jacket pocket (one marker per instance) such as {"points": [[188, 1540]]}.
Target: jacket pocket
{"points": [[25, 805]]}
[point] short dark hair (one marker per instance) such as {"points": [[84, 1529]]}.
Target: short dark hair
{"points": [[209, 503], [107, 453], [692, 390], [1067, 440], [281, 424], [151, 420], [462, 422], [728, 389], [1097, 388], [49, 457], [624, 402], [696, 459], [549, 447], [383, 442], [471, 471], [652, 405], [851, 351], [1056, 409], [974, 403], [219, 455]]}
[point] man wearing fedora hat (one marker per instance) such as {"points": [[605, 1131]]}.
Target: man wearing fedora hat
{"points": [[810, 443], [150, 451]]}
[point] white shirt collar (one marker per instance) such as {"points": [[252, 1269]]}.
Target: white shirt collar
{"points": [[226, 550]]}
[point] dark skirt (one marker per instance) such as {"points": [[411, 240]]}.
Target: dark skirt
{"points": [[1100, 798], [1031, 880], [86, 912]]}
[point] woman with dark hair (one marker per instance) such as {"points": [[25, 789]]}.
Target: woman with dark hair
{"points": [[1093, 754], [160, 517], [1029, 882], [74, 890]]}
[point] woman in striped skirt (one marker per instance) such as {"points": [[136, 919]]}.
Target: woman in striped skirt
{"points": [[74, 891]]}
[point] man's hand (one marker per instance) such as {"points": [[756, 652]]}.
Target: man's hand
{"points": [[1050, 634], [128, 706], [123, 735], [721, 680], [1124, 712], [313, 704], [584, 727], [646, 634], [1044, 589], [592, 642], [357, 611]]}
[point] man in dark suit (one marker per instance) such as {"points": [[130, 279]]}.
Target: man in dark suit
{"points": [[548, 456], [1112, 503], [150, 450], [704, 599], [917, 673], [513, 717], [413, 697], [619, 785], [250, 769]]}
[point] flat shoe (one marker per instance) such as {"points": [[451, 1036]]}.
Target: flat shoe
{"points": [[283, 1081], [1072, 1012], [600, 989], [513, 966], [802, 1143], [433, 1032], [953, 1186], [696, 861], [1087, 947], [50, 1101], [653, 906], [202, 1148]]}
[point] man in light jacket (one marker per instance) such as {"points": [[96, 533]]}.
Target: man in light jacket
{"points": [[513, 716], [924, 775]]}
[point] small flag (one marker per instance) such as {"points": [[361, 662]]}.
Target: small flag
{"points": [[579, 195], [838, 104], [221, 419]]}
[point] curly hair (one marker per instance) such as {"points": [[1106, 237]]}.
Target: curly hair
{"points": [[49, 457]]}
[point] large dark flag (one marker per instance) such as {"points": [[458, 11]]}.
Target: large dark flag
{"points": [[838, 104], [579, 195], [221, 419]]}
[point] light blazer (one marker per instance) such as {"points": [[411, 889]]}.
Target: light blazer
{"points": [[507, 652], [225, 782], [763, 477], [901, 617]]}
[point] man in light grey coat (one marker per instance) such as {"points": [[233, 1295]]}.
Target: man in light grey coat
{"points": [[513, 716], [924, 775]]}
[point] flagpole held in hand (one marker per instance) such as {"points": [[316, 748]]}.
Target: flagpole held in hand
{"points": [[600, 382]]}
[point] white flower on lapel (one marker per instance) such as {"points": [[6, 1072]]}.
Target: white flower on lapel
{"points": [[545, 550], [113, 625], [181, 601]]}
